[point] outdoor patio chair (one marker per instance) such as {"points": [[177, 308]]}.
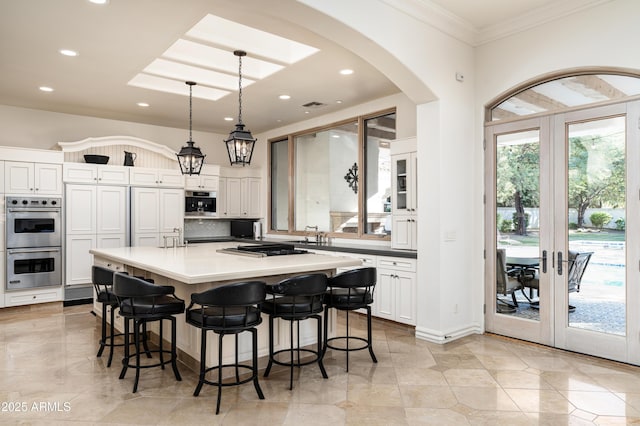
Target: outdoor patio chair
{"points": [[506, 284]]}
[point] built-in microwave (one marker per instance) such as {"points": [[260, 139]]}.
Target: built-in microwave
{"points": [[199, 203]]}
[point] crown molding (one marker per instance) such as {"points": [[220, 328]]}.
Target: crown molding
{"points": [[463, 30]]}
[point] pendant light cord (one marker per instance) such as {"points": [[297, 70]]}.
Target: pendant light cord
{"points": [[240, 89], [190, 110]]}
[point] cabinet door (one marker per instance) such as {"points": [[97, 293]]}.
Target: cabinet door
{"points": [[405, 283], [221, 199], [2, 177], [79, 173], [234, 197], [171, 206], [48, 179], [78, 259], [209, 182], [412, 186], [400, 174], [146, 240], [111, 240], [143, 177], [144, 210], [251, 197], [402, 232], [80, 209], [192, 183], [385, 295], [111, 209], [18, 177], [168, 178], [113, 175]]}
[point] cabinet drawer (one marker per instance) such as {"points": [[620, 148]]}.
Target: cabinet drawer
{"points": [[397, 263], [116, 266], [33, 296]]}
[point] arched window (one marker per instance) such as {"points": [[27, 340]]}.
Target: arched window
{"points": [[564, 92]]}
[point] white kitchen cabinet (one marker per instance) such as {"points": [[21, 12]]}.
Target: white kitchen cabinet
{"points": [[404, 232], [161, 178], [239, 197], [3, 277], [95, 174], [207, 180], [396, 290], [96, 216], [2, 180], [251, 197], [404, 194], [154, 213], [32, 178]]}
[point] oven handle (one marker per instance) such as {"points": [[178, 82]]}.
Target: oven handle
{"points": [[45, 210], [33, 250]]}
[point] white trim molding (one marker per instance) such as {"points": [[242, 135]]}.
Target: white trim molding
{"points": [[436, 336]]}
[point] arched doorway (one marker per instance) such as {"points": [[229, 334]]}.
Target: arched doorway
{"points": [[561, 212]]}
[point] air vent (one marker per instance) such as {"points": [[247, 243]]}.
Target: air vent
{"points": [[314, 104]]}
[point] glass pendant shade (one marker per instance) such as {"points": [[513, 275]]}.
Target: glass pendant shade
{"points": [[240, 145], [190, 157], [240, 142]]}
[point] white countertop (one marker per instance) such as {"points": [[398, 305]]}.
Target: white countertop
{"points": [[201, 263]]}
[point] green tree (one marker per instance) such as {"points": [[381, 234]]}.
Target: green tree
{"points": [[596, 173], [518, 180]]}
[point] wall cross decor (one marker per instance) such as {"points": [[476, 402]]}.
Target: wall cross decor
{"points": [[352, 177]]}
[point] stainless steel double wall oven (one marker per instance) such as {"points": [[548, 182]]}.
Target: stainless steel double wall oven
{"points": [[33, 242]]}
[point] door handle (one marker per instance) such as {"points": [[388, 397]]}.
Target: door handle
{"points": [[544, 261], [559, 263]]}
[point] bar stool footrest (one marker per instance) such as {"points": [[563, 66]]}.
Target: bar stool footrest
{"points": [[349, 338], [316, 358], [158, 364], [235, 383]]}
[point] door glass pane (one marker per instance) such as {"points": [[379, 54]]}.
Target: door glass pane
{"points": [[517, 222], [280, 185], [595, 268]]}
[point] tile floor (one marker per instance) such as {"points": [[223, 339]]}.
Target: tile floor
{"points": [[49, 371]]}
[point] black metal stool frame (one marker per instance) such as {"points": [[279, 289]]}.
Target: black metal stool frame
{"points": [[296, 299], [133, 293], [229, 309], [348, 291], [102, 279]]}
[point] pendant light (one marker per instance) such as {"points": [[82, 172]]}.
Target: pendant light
{"points": [[240, 142], [190, 157]]}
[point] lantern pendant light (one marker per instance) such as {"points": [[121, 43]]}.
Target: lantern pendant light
{"points": [[190, 157], [240, 142]]}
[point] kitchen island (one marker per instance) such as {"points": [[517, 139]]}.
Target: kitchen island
{"points": [[198, 267]]}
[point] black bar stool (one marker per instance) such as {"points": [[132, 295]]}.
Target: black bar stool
{"points": [[229, 309], [346, 292], [296, 299], [102, 279], [143, 302]]}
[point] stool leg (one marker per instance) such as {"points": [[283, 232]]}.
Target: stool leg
{"points": [[111, 330], [347, 340], [237, 368], [219, 372], [370, 335], [203, 356], [326, 330], [160, 344], [125, 360], [320, 349], [268, 369], [104, 330], [291, 352], [174, 352], [254, 335], [145, 335], [136, 339]]}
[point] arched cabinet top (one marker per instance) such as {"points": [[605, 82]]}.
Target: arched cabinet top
{"points": [[148, 154]]}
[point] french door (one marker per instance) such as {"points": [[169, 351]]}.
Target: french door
{"points": [[562, 204]]}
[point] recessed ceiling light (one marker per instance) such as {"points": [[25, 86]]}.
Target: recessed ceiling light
{"points": [[306, 112], [338, 101], [46, 89], [68, 52], [142, 104], [284, 97], [228, 119], [99, 1], [346, 71]]}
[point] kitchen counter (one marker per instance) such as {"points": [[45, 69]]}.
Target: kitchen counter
{"points": [[338, 246], [202, 263]]}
